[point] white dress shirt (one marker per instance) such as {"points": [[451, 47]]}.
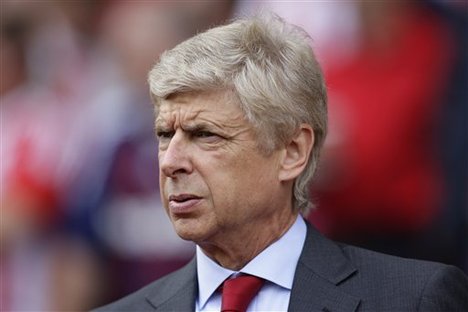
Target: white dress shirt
{"points": [[276, 264]]}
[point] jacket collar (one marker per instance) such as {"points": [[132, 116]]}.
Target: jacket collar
{"points": [[178, 291], [322, 267]]}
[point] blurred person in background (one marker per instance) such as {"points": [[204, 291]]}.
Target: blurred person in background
{"points": [[42, 267], [389, 68]]}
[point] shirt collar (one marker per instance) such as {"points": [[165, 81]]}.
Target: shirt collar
{"points": [[277, 263]]}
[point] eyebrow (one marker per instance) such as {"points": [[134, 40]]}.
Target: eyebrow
{"points": [[199, 126], [190, 127]]}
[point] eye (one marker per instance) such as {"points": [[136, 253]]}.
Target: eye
{"points": [[204, 134], [164, 134]]}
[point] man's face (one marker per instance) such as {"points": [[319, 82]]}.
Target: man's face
{"points": [[214, 181]]}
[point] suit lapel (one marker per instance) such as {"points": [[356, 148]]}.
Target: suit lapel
{"points": [[320, 270], [179, 292]]}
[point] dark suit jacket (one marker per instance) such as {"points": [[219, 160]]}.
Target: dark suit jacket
{"points": [[330, 277]]}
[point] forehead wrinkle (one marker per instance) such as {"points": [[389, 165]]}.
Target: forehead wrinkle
{"points": [[176, 114], [223, 121], [190, 116]]}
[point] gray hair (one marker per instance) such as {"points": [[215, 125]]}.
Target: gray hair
{"points": [[272, 70]]}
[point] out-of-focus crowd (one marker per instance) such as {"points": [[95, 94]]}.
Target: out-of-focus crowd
{"points": [[81, 218]]}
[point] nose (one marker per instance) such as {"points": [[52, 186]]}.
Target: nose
{"points": [[175, 159]]}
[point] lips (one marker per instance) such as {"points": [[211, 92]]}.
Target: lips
{"points": [[183, 203], [182, 197]]}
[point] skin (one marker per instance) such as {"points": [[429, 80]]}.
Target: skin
{"points": [[217, 187]]}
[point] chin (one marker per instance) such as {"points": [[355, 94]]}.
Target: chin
{"points": [[186, 235], [187, 230]]}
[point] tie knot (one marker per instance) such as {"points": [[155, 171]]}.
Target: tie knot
{"points": [[238, 292]]}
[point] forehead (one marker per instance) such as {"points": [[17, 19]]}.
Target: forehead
{"points": [[207, 105]]}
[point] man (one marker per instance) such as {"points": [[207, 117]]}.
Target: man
{"points": [[241, 117]]}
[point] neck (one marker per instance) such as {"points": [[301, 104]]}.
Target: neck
{"points": [[237, 249]]}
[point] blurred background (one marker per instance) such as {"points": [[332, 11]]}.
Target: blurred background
{"points": [[81, 218]]}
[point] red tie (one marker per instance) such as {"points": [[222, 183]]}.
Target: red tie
{"points": [[238, 292]]}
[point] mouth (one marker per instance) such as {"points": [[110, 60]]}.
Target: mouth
{"points": [[183, 203], [180, 198]]}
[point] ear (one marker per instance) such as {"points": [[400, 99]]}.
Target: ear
{"points": [[296, 153]]}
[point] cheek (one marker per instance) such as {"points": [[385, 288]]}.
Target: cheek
{"points": [[219, 175], [255, 174], [229, 180]]}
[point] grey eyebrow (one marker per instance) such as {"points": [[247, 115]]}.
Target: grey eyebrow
{"points": [[198, 127], [195, 127]]}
